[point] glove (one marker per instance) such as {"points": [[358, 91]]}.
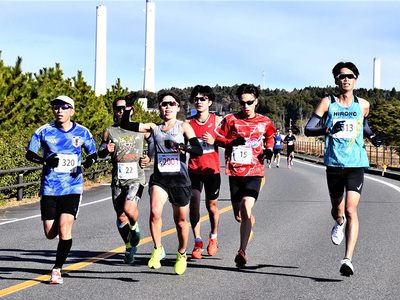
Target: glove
{"points": [[376, 140], [130, 100], [238, 141], [268, 153], [52, 161], [170, 144], [339, 126], [88, 162]]}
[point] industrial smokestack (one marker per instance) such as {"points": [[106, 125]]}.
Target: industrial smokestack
{"points": [[149, 84], [100, 76], [377, 73]]}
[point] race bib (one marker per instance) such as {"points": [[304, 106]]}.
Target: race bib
{"points": [[278, 143], [128, 170], [207, 148], [168, 162], [349, 130], [68, 163], [290, 143], [242, 155]]}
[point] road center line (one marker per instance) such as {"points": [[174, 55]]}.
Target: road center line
{"points": [[89, 261]]}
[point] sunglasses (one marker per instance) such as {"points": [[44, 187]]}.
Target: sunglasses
{"points": [[197, 99], [120, 108], [62, 106], [170, 103], [348, 76], [243, 103]]}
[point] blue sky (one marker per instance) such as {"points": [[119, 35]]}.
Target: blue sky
{"points": [[296, 43]]}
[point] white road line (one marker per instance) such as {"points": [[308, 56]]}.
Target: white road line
{"points": [[366, 176], [35, 216]]}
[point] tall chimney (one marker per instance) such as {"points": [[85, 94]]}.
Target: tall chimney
{"points": [[100, 76], [149, 84]]}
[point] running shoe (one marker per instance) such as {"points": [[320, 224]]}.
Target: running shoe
{"points": [[347, 267], [181, 263], [197, 250], [130, 255], [212, 248], [277, 166], [56, 276], [253, 220], [134, 236], [288, 166], [337, 233], [291, 162], [240, 259], [157, 255], [269, 166]]}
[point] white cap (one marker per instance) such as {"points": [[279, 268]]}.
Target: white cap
{"points": [[65, 99]]}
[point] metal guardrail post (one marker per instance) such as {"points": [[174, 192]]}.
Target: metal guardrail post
{"points": [[20, 193]]}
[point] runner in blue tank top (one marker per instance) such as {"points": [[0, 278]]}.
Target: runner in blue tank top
{"points": [[345, 155]]}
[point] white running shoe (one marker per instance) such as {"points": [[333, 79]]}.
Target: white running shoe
{"points": [[346, 268], [337, 233], [56, 276]]}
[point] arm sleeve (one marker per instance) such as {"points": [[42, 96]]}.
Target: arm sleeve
{"points": [[367, 131], [151, 149], [311, 128], [103, 152], [194, 147], [128, 125], [33, 157]]}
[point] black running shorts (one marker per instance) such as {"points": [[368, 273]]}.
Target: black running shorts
{"points": [[51, 207], [242, 186], [339, 179], [211, 182]]}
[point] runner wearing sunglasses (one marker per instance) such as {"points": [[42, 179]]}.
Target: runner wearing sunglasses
{"points": [[345, 156], [170, 180], [128, 178], [61, 186], [204, 170], [244, 135]]}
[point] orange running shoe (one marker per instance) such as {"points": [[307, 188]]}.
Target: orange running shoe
{"points": [[197, 250], [212, 248]]}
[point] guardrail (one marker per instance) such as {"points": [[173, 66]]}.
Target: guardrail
{"points": [[378, 157], [24, 170]]}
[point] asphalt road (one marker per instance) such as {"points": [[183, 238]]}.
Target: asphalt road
{"points": [[290, 256]]}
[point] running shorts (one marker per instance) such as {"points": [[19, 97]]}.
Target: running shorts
{"points": [[178, 196], [290, 149], [51, 207], [131, 192], [339, 179], [242, 186], [211, 182], [277, 151]]}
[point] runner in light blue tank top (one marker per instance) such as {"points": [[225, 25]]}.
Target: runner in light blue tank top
{"points": [[345, 148], [345, 156]]}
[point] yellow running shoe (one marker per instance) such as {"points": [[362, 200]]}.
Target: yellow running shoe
{"points": [[157, 255], [181, 263]]}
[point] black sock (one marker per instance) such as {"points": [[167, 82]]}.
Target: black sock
{"points": [[63, 248]]}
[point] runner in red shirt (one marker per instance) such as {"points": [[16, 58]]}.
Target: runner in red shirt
{"points": [[204, 170], [244, 136]]}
